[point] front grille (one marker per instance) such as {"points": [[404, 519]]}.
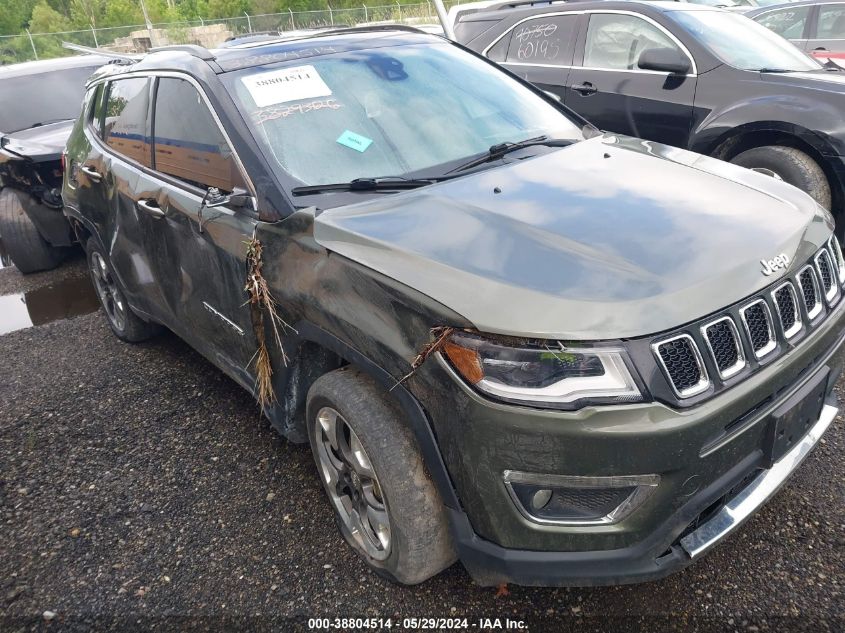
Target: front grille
{"points": [[826, 273], [725, 348], [810, 292], [758, 326], [768, 320], [683, 364], [838, 260], [786, 306]]}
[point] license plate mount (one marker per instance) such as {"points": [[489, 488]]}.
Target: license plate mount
{"points": [[792, 419]]}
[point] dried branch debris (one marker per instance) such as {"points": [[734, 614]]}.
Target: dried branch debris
{"points": [[440, 335], [261, 302]]}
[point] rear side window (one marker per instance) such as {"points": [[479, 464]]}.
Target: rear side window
{"points": [[831, 22], [615, 41], [188, 142], [788, 23], [98, 110], [544, 40], [125, 120]]}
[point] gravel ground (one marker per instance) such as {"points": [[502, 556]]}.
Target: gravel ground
{"points": [[141, 489]]}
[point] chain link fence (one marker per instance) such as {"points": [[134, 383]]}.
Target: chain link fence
{"points": [[210, 33]]}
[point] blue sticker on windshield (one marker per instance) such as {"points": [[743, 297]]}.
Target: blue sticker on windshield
{"points": [[354, 141]]}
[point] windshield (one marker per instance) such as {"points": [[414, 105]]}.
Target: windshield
{"points": [[42, 98], [742, 43], [387, 112]]}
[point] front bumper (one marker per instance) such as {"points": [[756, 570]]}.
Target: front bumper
{"points": [[490, 564], [711, 478]]}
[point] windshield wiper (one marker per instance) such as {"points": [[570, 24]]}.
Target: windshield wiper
{"points": [[498, 151], [388, 183], [39, 124], [775, 70]]}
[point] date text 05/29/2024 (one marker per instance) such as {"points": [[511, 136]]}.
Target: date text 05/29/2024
{"points": [[417, 624]]}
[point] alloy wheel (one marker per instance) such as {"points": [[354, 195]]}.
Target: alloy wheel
{"points": [[110, 296], [767, 172], [351, 483]]}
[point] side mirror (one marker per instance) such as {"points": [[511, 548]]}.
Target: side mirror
{"points": [[667, 60], [238, 199]]}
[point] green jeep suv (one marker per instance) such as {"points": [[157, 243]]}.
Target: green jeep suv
{"points": [[559, 356]]}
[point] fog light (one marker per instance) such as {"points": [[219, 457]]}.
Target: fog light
{"points": [[575, 500], [541, 498]]}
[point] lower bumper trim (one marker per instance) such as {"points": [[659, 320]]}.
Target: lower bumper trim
{"points": [[761, 489]]}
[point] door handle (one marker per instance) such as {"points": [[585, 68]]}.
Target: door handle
{"points": [[820, 48], [151, 207], [585, 89], [92, 173]]}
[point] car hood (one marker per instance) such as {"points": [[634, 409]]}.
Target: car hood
{"points": [[609, 238], [41, 143], [832, 81]]}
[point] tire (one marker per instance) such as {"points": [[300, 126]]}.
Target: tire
{"points": [[418, 540], [125, 324], [26, 248], [792, 165]]}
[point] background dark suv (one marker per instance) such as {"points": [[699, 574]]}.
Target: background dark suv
{"points": [[682, 74]]}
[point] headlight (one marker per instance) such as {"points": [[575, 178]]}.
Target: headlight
{"points": [[547, 375]]}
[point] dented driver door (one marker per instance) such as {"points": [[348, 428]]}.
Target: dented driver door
{"points": [[201, 251]]}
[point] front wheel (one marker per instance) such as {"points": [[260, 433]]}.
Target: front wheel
{"points": [[387, 507], [125, 324], [790, 165]]}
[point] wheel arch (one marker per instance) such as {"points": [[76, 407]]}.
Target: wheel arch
{"points": [[752, 135], [317, 352]]}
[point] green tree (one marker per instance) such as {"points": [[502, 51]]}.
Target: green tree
{"points": [[122, 13], [45, 19], [226, 8], [14, 15]]}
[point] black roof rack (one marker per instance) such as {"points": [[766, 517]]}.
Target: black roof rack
{"points": [[88, 50], [192, 49], [370, 27], [525, 4]]}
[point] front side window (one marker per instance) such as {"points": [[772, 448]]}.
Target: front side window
{"points": [[188, 142], [392, 111], [831, 22], [543, 41], [788, 23], [125, 120], [743, 43], [615, 41]]}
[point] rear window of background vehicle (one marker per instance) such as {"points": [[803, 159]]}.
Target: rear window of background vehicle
{"points": [[544, 40], [788, 23], [42, 98]]}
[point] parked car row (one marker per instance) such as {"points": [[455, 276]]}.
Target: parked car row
{"points": [[560, 355]]}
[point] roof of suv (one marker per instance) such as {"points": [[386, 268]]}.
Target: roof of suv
{"points": [[282, 48], [545, 5], [49, 65]]}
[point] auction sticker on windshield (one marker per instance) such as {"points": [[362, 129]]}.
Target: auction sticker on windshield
{"points": [[288, 84]]}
